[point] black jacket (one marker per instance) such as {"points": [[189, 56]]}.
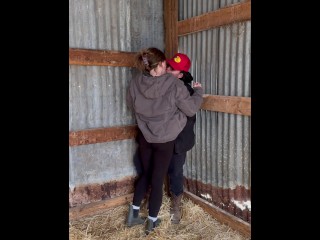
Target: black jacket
{"points": [[186, 138]]}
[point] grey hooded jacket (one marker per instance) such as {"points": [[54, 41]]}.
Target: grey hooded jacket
{"points": [[161, 104]]}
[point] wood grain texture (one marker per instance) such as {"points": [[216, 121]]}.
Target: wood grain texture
{"points": [[170, 27], [89, 57], [99, 135], [221, 215], [94, 208], [227, 104], [224, 16]]}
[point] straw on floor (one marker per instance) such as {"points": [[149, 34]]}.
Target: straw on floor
{"points": [[195, 224]]}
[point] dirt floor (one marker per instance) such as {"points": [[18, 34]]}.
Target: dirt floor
{"points": [[195, 224]]}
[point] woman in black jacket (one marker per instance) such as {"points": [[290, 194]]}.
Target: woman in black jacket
{"points": [[179, 66]]}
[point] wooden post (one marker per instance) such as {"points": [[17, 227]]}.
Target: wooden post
{"points": [[170, 16], [170, 8]]}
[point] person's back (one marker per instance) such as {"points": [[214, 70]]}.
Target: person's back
{"points": [[156, 106], [161, 104]]}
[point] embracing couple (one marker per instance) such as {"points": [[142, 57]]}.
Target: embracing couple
{"points": [[164, 104]]}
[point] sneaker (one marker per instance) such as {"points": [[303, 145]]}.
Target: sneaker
{"points": [[131, 220], [151, 225]]}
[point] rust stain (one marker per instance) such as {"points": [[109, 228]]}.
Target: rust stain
{"points": [[85, 194], [222, 197]]}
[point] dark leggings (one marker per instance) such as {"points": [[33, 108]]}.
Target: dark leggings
{"points": [[155, 158], [175, 173]]}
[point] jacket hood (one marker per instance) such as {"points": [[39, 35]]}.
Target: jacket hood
{"points": [[155, 87]]}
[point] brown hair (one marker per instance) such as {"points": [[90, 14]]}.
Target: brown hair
{"points": [[149, 58]]}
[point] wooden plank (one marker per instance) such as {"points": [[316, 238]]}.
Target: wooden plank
{"points": [[90, 57], [221, 215], [170, 27], [224, 16], [96, 207], [227, 104], [99, 135]]}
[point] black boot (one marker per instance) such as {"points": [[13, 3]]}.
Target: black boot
{"points": [[133, 217], [151, 225]]}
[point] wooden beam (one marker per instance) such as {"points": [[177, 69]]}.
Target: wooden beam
{"points": [[89, 57], [224, 16], [221, 215], [227, 104], [170, 27], [99, 135], [96, 207]]}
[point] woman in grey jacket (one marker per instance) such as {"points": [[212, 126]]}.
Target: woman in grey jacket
{"points": [[160, 103]]}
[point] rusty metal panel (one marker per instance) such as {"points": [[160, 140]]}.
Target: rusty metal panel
{"points": [[218, 168], [97, 93]]}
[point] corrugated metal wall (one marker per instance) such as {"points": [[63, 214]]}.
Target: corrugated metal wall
{"points": [[218, 167], [97, 93], [193, 8]]}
